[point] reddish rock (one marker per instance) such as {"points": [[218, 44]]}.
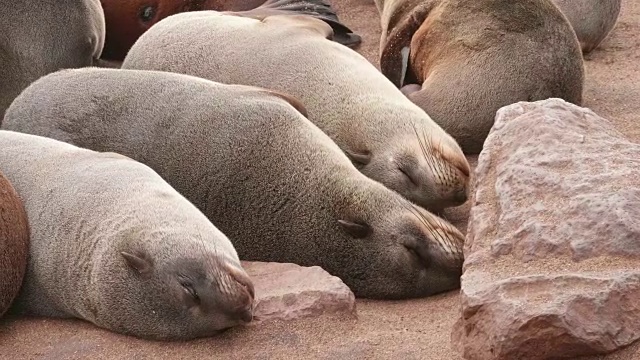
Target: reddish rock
{"points": [[552, 266], [288, 291]]}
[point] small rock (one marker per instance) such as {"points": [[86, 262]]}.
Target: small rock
{"points": [[287, 291], [552, 258]]}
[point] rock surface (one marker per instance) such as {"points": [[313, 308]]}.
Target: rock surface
{"points": [[552, 265], [287, 291]]}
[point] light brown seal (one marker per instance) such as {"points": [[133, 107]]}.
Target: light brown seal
{"points": [[592, 20], [37, 38], [270, 179], [112, 243], [472, 57], [386, 136], [128, 19], [14, 244]]}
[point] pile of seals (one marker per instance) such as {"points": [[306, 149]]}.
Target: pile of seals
{"points": [[251, 131]]}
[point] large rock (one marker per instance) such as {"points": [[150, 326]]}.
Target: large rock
{"points": [[287, 291], [552, 265]]}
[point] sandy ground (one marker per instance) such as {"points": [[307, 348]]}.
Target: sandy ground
{"points": [[416, 329]]}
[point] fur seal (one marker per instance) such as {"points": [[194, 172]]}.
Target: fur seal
{"points": [[471, 57], [592, 20], [112, 243], [386, 136], [14, 244], [271, 180], [43, 37], [128, 19]]}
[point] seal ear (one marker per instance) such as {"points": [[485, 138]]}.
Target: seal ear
{"points": [[356, 230], [361, 158], [395, 50], [142, 266]]}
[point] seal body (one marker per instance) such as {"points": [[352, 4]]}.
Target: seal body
{"points": [[39, 39], [387, 137], [112, 243], [592, 20], [14, 244], [263, 173], [471, 57], [128, 19]]}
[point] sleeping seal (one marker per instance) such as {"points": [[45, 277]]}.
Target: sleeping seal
{"points": [[471, 57], [592, 20], [14, 244], [386, 136], [128, 19], [37, 38], [268, 178], [112, 243]]}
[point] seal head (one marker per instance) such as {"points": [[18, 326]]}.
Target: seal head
{"points": [[182, 297]]}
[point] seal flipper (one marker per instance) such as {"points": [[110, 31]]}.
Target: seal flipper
{"points": [[315, 8], [393, 56]]}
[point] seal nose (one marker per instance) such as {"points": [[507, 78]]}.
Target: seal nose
{"points": [[460, 196], [246, 315]]}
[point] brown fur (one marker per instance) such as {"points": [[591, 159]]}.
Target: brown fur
{"points": [[37, 38], [385, 135], [278, 186], [474, 56], [592, 20], [112, 243], [14, 244]]}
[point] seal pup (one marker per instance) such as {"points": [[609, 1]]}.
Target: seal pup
{"points": [[461, 60], [14, 244], [387, 137], [128, 19], [271, 180], [592, 20], [43, 37], [112, 243]]}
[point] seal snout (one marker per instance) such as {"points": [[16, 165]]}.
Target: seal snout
{"points": [[460, 196], [246, 314]]}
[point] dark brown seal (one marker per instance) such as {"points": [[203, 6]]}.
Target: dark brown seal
{"points": [[14, 244], [471, 57], [128, 19]]}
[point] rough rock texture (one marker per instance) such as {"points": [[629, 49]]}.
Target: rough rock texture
{"points": [[552, 264], [287, 291]]}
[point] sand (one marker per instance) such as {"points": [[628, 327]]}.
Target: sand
{"points": [[416, 329]]}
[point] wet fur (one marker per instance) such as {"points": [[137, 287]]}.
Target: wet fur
{"points": [[592, 20], [473, 57], [318, 9], [346, 96], [263, 173], [85, 209], [14, 244], [38, 40]]}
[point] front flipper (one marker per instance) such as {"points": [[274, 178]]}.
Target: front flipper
{"points": [[394, 55], [318, 9]]}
